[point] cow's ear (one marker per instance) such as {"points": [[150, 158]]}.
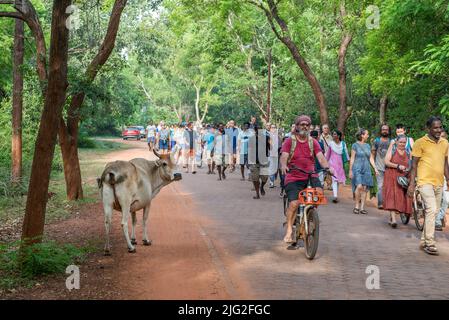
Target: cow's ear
{"points": [[156, 153]]}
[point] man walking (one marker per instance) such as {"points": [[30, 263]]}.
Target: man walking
{"points": [[430, 165], [258, 158], [190, 137], [233, 133], [221, 152], [151, 135], [379, 151]]}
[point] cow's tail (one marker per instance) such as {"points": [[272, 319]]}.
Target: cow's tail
{"points": [[110, 178]]}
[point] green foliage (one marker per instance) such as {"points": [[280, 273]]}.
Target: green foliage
{"points": [[18, 267]]}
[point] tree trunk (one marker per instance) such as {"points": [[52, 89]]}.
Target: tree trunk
{"points": [[17, 103], [33, 224], [68, 141], [343, 114], [68, 132], [197, 102], [346, 39], [272, 13], [383, 108], [269, 86]]}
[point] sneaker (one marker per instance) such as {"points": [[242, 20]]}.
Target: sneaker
{"points": [[271, 185], [438, 228]]}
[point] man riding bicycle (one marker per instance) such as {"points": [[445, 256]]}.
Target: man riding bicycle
{"points": [[300, 151]]}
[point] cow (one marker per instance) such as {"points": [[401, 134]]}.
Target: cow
{"points": [[128, 186]]}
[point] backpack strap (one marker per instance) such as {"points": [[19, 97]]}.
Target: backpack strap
{"points": [[311, 146], [292, 148]]}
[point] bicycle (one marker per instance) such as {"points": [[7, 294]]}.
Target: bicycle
{"points": [[417, 206], [306, 226]]}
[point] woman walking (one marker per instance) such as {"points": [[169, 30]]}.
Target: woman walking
{"points": [[360, 170], [335, 154], [397, 163]]}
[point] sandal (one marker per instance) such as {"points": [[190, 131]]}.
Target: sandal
{"points": [[363, 211], [431, 250], [356, 211]]}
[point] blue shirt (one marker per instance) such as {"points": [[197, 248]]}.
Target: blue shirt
{"points": [[209, 139]]}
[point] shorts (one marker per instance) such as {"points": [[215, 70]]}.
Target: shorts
{"points": [[221, 159], [293, 188], [243, 159], [151, 139], [163, 144], [172, 144], [258, 171], [209, 156]]}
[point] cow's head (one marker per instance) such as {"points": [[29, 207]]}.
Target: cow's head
{"points": [[166, 167]]}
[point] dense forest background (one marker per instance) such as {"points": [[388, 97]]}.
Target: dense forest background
{"points": [[218, 60]]}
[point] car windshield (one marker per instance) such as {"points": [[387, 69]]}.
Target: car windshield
{"points": [[132, 128]]}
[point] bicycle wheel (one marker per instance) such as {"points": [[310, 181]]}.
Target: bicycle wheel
{"points": [[312, 237], [418, 212], [405, 218]]}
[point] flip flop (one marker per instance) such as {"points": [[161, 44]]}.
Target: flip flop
{"points": [[356, 211]]}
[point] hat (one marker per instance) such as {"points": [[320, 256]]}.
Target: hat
{"points": [[303, 118]]}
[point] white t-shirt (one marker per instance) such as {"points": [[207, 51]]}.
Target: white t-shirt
{"points": [[151, 131]]}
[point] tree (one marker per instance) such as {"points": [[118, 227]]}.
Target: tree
{"points": [[16, 144], [282, 32], [68, 130], [33, 224]]}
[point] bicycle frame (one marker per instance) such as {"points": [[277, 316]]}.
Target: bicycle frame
{"points": [[308, 198]]}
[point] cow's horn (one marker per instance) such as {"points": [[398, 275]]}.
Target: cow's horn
{"points": [[156, 153]]}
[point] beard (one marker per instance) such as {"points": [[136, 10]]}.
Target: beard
{"points": [[384, 134], [302, 133]]}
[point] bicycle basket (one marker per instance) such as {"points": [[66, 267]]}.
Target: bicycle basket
{"points": [[311, 196]]}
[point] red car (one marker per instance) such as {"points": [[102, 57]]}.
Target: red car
{"points": [[131, 132]]}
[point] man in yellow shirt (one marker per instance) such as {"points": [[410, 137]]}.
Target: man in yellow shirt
{"points": [[430, 165]]}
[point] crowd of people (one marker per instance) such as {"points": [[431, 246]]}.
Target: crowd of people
{"points": [[265, 154]]}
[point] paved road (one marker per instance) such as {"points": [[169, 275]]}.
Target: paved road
{"points": [[250, 231]]}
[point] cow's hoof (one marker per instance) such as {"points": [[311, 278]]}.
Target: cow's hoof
{"points": [[147, 242], [107, 253], [133, 241], [132, 250]]}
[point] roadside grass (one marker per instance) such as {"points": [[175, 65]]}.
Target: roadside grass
{"points": [[25, 268]]}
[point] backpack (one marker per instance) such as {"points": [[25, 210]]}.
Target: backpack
{"points": [[293, 147]]}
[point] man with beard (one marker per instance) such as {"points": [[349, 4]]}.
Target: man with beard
{"points": [[379, 151], [302, 156]]}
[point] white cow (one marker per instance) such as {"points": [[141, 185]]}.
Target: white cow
{"points": [[129, 186]]}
